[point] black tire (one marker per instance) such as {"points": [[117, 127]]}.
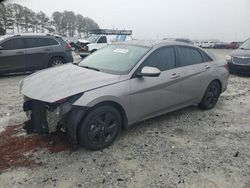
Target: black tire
{"points": [[211, 96], [93, 51], [56, 61], [99, 128]]}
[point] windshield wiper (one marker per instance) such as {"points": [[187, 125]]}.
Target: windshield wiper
{"points": [[92, 68]]}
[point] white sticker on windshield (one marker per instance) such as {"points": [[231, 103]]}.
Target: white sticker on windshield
{"points": [[124, 51]]}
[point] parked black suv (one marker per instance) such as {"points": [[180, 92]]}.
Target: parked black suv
{"points": [[28, 52], [239, 60]]}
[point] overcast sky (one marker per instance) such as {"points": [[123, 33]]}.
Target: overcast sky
{"points": [[195, 19]]}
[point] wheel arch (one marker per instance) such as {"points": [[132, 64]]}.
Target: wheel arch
{"points": [[219, 82], [118, 107], [78, 113], [56, 56]]}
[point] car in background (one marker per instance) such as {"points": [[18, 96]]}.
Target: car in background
{"points": [[219, 45], [239, 60], [197, 43], [29, 52], [119, 85], [207, 44], [100, 38], [232, 45], [188, 41]]}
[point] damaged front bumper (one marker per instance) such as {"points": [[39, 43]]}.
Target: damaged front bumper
{"points": [[44, 118]]}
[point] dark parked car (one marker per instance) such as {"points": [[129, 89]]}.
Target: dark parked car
{"points": [[220, 45], [232, 45], [239, 60], [28, 52]]}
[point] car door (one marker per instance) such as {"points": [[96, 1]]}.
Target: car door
{"points": [[38, 52], [196, 72], [13, 55], [153, 95]]}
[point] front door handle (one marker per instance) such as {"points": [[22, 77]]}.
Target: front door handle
{"points": [[174, 76], [207, 67]]}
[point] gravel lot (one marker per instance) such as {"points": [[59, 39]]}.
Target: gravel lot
{"points": [[188, 148]]}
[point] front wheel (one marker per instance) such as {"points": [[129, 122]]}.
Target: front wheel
{"points": [[211, 96], [100, 128]]}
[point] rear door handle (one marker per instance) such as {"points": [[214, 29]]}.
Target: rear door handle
{"points": [[47, 50], [207, 67], [174, 76]]}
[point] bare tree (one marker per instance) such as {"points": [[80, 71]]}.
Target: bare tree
{"points": [[43, 20]]}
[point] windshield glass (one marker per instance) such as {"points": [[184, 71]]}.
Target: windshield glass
{"points": [[93, 38], [115, 59], [246, 45], [3, 37]]}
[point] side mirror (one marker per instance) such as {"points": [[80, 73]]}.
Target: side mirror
{"points": [[149, 72]]}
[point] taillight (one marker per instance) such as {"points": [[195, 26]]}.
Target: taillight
{"points": [[226, 66], [69, 46], [61, 101]]}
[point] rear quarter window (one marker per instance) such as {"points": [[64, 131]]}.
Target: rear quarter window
{"points": [[40, 42], [205, 57], [189, 56]]}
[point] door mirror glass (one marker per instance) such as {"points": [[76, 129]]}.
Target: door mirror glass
{"points": [[149, 72]]}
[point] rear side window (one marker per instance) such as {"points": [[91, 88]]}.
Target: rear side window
{"points": [[189, 56], [163, 59], [40, 42], [13, 44]]}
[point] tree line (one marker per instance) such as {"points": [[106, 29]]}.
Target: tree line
{"points": [[15, 18]]}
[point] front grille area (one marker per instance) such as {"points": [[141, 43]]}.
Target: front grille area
{"points": [[241, 60], [37, 122]]}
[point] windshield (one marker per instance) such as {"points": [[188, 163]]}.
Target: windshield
{"points": [[246, 45], [93, 39], [3, 37], [115, 59]]}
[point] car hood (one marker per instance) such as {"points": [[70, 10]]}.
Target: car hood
{"points": [[241, 53], [56, 83]]}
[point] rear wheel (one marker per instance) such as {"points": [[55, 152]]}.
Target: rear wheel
{"points": [[100, 128], [56, 61], [211, 96]]}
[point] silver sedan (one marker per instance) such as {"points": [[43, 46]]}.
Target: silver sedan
{"points": [[119, 85]]}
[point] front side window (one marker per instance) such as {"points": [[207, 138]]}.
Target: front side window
{"points": [[102, 39], [13, 44], [115, 59], [163, 59], [189, 56]]}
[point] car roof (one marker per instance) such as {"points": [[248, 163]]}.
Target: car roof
{"points": [[153, 43], [32, 34]]}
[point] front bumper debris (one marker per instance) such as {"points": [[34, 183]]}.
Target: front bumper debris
{"points": [[44, 118]]}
